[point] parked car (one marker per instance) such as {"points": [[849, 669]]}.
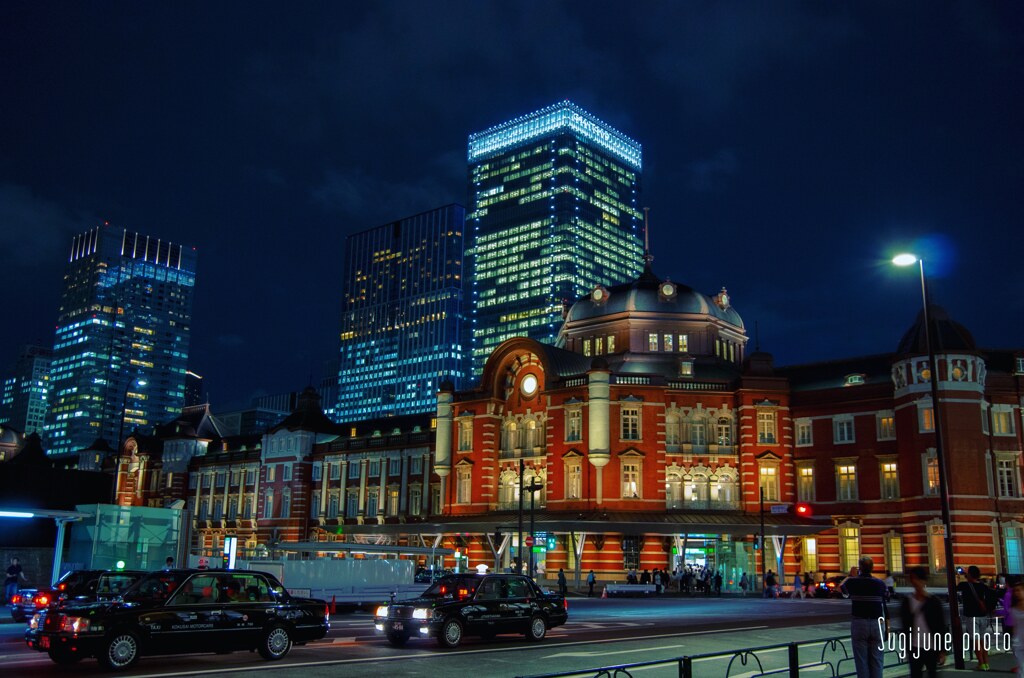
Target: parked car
{"points": [[474, 605], [75, 586], [181, 611], [829, 588]]}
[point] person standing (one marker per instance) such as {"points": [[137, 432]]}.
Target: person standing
{"points": [[867, 598], [563, 587], [890, 585], [979, 602], [923, 622], [808, 585], [1015, 612], [743, 583], [798, 586], [769, 584], [591, 580], [15, 576], [718, 583], [169, 563]]}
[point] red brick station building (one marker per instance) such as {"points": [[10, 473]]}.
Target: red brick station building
{"points": [[652, 432]]}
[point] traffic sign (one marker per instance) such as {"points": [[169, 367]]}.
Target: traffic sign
{"points": [[780, 508], [528, 541]]}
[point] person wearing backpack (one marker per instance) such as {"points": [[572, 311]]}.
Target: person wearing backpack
{"points": [[979, 602]]}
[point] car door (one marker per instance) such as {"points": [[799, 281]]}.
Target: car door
{"points": [[246, 604], [518, 606], [190, 621], [484, 614]]}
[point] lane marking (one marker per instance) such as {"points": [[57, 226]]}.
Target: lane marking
{"points": [[419, 655], [601, 653]]}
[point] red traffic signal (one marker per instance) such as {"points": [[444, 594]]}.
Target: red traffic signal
{"points": [[804, 510]]}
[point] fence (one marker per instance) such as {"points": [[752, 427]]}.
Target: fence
{"points": [[834, 660]]}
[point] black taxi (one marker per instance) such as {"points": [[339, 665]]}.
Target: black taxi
{"points": [[474, 605], [75, 586], [177, 611]]}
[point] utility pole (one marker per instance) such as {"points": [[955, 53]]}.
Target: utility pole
{"points": [[519, 557], [763, 563]]}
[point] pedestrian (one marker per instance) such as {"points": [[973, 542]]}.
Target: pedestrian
{"points": [[808, 585], [1015, 619], [979, 602], [15, 576], [867, 596], [563, 587], [743, 583], [718, 583], [890, 586], [169, 563], [591, 580], [923, 623], [769, 585], [645, 578], [798, 588]]}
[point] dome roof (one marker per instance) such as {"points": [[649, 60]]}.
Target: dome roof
{"points": [[644, 295], [949, 334]]}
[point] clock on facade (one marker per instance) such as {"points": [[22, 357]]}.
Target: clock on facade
{"points": [[528, 385]]}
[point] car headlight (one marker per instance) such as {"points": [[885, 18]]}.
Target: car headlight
{"points": [[420, 613], [382, 611], [75, 625], [34, 622]]}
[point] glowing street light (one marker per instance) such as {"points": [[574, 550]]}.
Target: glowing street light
{"points": [[907, 259]]}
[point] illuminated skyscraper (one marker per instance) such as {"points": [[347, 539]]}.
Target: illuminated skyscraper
{"points": [[554, 198], [23, 400], [401, 325], [121, 346]]}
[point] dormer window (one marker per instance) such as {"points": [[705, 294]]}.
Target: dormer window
{"points": [[686, 368], [854, 380]]}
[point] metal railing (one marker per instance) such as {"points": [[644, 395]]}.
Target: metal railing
{"points": [[834, 659]]}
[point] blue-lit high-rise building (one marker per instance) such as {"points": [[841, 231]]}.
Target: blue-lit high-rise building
{"points": [[121, 349], [554, 213], [401, 325], [23, 400]]}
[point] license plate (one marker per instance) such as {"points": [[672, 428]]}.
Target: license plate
{"points": [[44, 642], [397, 626]]}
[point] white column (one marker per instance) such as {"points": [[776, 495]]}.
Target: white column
{"points": [[598, 424], [363, 463]]}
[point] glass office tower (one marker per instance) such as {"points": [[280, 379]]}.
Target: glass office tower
{"points": [[122, 340], [23, 403], [401, 326], [555, 198]]}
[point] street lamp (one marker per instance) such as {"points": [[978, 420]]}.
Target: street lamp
{"points": [[940, 458], [535, 486]]}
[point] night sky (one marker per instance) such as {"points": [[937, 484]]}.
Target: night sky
{"points": [[789, 150]]}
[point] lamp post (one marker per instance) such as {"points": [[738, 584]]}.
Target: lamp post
{"points": [[535, 486], [940, 458]]}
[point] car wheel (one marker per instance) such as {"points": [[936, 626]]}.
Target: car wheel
{"points": [[62, 656], [275, 643], [451, 634], [120, 651], [538, 629], [398, 639]]}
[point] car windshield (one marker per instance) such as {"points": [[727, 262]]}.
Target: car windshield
{"points": [[154, 587], [452, 587]]}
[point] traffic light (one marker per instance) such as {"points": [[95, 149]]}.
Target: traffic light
{"points": [[757, 543], [552, 542], [804, 510]]}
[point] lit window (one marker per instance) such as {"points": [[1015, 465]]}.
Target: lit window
{"points": [[667, 342], [611, 343], [849, 546], [724, 430], [894, 552], [810, 562], [684, 343], [465, 435], [890, 480], [769, 480], [886, 426], [931, 487], [464, 485], [846, 482], [586, 347], [652, 341], [927, 418], [599, 345], [1002, 423], [805, 483], [686, 368], [631, 480], [573, 479]]}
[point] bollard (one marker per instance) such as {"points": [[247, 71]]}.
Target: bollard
{"points": [[794, 661]]}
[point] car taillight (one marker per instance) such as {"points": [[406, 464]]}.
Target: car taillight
{"points": [[43, 600], [62, 587], [565, 604], [327, 613], [15, 599]]}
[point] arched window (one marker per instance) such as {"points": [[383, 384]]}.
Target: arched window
{"points": [[509, 433], [531, 435], [540, 496], [726, 488], [674, 491], [508, 490], [268, 505], [700, 490]]}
